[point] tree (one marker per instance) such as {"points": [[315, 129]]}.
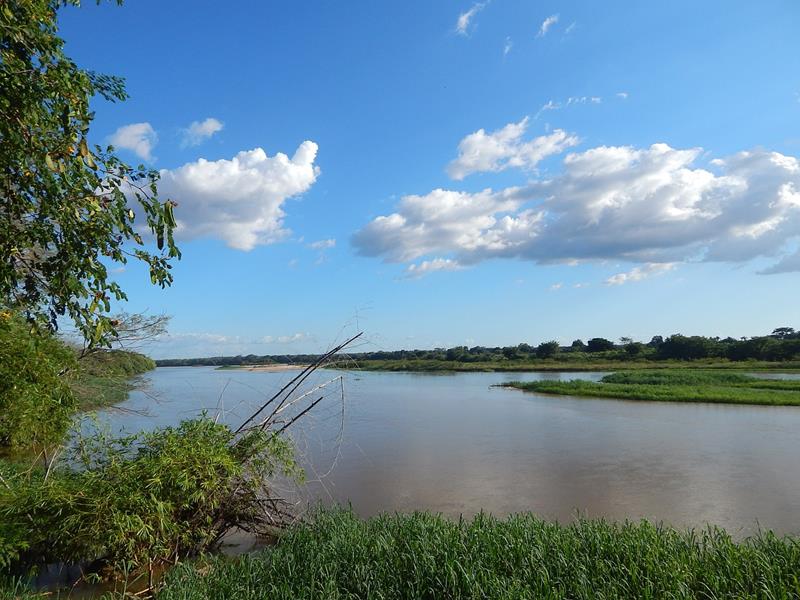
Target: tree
{"points": [[547, 349], [578, 346], [67, 210], [783, 333], [599, 345], [683, 347], [655, 341]]}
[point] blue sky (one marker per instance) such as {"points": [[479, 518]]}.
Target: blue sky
{"points": [[459, 172]]}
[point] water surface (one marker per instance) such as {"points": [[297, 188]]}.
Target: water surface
{"points": [[453, 443]]}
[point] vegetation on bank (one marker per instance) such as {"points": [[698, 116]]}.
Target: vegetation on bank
{"points": [[676, 385], [126, 504], [421, 555], [44, 382], [780, 349]]}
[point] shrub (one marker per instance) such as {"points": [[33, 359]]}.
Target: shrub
{"points": [[36, 403], [138, 500]]}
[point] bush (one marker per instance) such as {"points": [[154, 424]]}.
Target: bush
{"points": [[36, 403], [144, 499]]}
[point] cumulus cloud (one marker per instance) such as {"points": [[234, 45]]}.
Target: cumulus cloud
{"points": [[323, 244], [464, 19], [445, 221], [199, 131], [239, 200], [430, 266], [639, 273], [505, 148], [652, 205], [139, 138], [546, 25]]}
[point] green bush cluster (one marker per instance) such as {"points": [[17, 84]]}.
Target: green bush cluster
{"points": [[133, 501], [36, 401], [421, 555]]}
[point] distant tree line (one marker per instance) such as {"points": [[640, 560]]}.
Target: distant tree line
{"points": [[781, 345]]}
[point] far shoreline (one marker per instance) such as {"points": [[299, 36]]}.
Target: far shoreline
{"points": [[262, 368]]}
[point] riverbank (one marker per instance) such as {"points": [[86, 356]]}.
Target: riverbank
{"points": [[551, 365], [106, 377], [338, 555], [276, 368], [679, 385]]}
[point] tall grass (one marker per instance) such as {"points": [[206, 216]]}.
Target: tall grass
{"points": [[421, 555]]}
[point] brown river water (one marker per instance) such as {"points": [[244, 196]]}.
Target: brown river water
{"points": [[453, 443]]}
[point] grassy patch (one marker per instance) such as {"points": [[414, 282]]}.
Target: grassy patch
{"points": [[679, 385], [428, 556]]}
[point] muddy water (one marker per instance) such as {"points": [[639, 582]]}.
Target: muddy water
{"points": [[455, 444]]}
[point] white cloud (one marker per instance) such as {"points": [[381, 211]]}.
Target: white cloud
{"points": [[464, 19], [639, 273], [641, 205], [623, 95], [556, 286], [546, 25], [571, 101], [139, 138], [445, 221], [199, 131], [505, 148], [570, 28], [239, 200], [323, 244], [286, 339], [430, 266], [507, 47]]}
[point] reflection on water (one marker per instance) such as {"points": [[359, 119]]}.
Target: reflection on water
{"points": [[456, 444]]}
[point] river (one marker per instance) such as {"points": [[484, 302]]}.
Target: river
{"points": [[453, 443]]}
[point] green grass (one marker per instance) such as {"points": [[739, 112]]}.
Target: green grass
{"points": [[679, 385], [426, 556]]}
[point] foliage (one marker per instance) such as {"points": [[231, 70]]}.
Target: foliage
{"points": [[66, 209], [781, 347], [133, 501], [43, 384], [36, 402], [427, 556], [599, 345], [547, 349], [104, 377]]}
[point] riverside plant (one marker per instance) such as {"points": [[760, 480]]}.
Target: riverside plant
{"points": [[128, 504], [338, 556], [133, 502]]}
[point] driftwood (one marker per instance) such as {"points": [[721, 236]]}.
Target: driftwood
{"points": [[277, 512]]}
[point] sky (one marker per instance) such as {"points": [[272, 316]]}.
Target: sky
{"points": [[442, 173]]}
